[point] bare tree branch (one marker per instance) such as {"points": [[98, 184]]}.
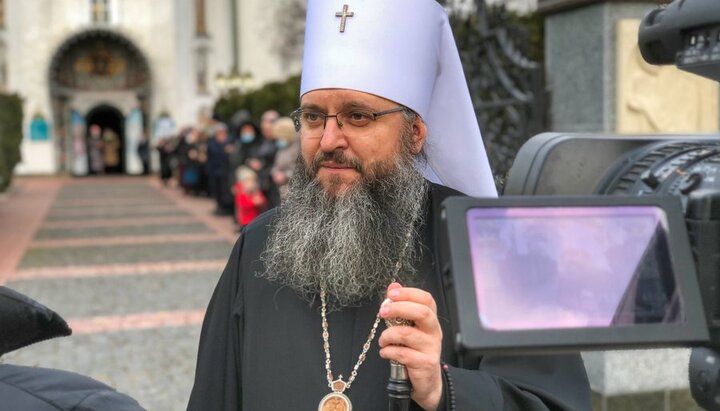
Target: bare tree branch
{"points": [[290, 29]]}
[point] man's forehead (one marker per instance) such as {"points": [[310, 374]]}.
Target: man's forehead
{"points": [[326, 98]]}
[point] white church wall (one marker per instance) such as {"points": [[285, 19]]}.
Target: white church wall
{"points": [[219, 55], [38, 158], [150, 24], [184, 35], [257, 23], [29, 46], [187, 43], [37, 28], [163, 30], [219, 28]]}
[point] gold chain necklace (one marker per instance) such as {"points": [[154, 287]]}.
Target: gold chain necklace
{"points": [[337, 400]]}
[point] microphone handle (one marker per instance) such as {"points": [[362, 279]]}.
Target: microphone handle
{"points": [[399, 388]]}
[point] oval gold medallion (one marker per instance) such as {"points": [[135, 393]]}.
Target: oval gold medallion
{"points": [[335, 401]]}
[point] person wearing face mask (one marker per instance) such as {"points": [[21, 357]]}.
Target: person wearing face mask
{"points": [[248, 136], [248, 141], [246, 144]]}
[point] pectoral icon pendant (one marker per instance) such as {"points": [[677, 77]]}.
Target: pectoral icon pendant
{"points": [[336, 400]]}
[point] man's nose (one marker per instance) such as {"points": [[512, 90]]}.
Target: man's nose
{"points": [[333, 137]]}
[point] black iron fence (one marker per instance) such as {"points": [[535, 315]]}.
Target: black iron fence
{"points": [[507, 86]]}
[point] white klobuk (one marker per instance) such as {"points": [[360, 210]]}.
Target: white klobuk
{"points": [[404, 51]]}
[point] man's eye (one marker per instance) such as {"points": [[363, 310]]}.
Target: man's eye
{"points": [[359, 118], [312, 118]]}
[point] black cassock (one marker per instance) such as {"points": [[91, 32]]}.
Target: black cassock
{"points": [[261, 347]]}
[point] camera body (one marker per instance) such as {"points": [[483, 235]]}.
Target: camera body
{"points": [[683, 166], [610, 170], [685, 33]]}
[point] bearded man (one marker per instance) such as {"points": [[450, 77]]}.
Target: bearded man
{"points": [[295, 322]]}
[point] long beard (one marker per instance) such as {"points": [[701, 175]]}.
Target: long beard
{"points": [[349, 243]]}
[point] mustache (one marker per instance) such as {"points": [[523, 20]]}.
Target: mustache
{"points": [[338, 157]]}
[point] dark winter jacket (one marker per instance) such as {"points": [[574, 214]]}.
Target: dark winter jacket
{"points": [[43, 389], [24, 321]]}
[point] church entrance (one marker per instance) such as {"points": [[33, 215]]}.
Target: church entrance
{"points": [[105, 139], [100, 89]]}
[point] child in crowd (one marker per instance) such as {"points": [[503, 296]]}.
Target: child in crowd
{"points": [[249, 199]]}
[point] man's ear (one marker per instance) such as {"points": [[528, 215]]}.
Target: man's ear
{"points": [[419, 134]]}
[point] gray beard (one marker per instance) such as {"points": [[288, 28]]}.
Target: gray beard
{"points": [[349, 243]]}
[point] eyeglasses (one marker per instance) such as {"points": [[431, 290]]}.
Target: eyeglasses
{"points": [[353, 123]]}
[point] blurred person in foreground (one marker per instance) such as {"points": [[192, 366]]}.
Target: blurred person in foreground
{"points": [[286, 140], [296, 321]]}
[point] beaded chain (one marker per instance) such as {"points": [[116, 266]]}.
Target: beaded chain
{"points": [[450, 393], [371, 336], [326, 345], [373, 330]]}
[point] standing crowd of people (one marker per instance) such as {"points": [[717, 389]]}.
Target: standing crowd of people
{"points": [[244, 168]]}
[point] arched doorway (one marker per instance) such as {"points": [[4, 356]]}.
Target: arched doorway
{"points": [[99, 77], [105, 139]]}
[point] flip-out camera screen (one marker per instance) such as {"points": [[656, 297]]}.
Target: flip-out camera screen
{"points": [[565, 267], [547, 274]]}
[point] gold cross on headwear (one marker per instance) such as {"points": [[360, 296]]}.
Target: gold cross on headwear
{"points": [[344, 14]]}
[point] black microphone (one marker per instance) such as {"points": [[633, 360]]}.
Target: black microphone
{"points": [[399, 387]]}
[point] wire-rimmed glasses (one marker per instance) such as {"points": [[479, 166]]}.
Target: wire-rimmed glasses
{"points": [[353, 123]]}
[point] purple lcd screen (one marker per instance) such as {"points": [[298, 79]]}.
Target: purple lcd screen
{"points": [[572, 267]]}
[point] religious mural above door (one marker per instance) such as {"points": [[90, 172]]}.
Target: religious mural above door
{"points": [[99, 60], [101, 65]]}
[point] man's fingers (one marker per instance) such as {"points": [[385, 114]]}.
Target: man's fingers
{"points": [[406, 356], [416, 295], [409, 337], [423, 316], [424, 372]]}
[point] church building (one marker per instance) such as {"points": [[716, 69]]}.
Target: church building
{"points": [[115, 70]]}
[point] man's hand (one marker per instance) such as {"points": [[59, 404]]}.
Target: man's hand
{"points": [[418, 348]]}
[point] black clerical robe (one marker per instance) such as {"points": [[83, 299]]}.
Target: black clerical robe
{"points": [[261, 347]]}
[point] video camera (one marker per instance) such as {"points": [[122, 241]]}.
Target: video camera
{"points": [[601, 242]]}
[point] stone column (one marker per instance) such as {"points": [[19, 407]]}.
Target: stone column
{"points": [[598, 83]]}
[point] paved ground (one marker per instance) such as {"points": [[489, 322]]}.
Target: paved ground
{"points": [[129, 264]]}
